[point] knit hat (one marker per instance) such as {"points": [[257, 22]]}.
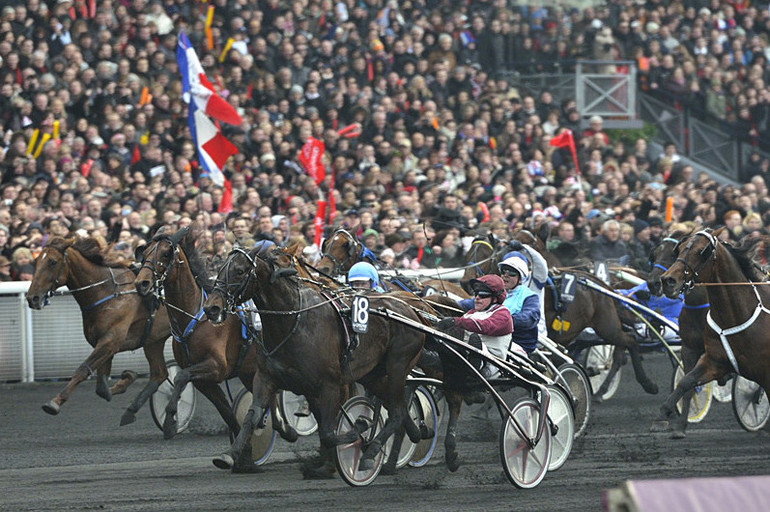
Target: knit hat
{"points": [[639, 226]]}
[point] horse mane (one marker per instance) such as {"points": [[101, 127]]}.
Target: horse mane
{"points": [[744, 253], [186, 238], [91, 248]]}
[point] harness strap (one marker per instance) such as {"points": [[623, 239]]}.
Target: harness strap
{"points": [[100, 301], [724, 333], [699, 306]]}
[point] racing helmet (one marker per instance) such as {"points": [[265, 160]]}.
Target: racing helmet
{"points": [[492, 284], [264, 246], [363, 271], [516, 261]]}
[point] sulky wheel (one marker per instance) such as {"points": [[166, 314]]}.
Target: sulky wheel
{"points": [[750, 404], [296, 411], [524, 465], [159, 400], [262, 439], [700, 403], [597, 361], [429, 417], [358, 414], [561, 415], [574, 379]]}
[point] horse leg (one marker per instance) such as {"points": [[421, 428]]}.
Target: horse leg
{"points": [[102, 380], [158, 373], [217, 397], [208, 370], [98, 356], [325, 407], [262, 391], [679, 424], [705, 371], [454, 403], [280, 425], [641, 376]]}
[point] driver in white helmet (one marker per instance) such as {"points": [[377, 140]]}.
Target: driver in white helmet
{"points": [[521, 302]]}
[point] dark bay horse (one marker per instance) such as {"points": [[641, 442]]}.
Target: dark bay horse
{"points": [[115, 318], [342, 250], [692, 318], [207, 354], [305, 351], [736, 338]]}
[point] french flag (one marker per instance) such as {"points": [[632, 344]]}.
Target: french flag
{"points": [[203, 102]]}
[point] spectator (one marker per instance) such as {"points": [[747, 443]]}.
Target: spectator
{"points": [[5, 269], [607, 245], [640, 248]]}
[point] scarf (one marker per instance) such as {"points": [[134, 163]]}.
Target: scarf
{"points": [[515, 298]]}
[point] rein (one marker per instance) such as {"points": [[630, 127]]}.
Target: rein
{"points": [[71, 291]]}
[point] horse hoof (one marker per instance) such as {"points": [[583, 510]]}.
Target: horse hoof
{"points": [[678, 434], [52, 408], [169, 429], [388, 469], [290, 434], [246, 469], [127, 418], [651, 388], [224, 461], [106, 394], [426, 432], [366, 464], [452, 462], [660, 426], [129, 375], [597, 399]]}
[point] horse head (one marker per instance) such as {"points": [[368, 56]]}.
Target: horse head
{"points": [[694, 255], [158, 258], [478, 260], [235, 284], [661, 258], [51, 271], [339, 253]]}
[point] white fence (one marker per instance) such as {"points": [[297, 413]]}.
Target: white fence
{"points": [[49, 344]]}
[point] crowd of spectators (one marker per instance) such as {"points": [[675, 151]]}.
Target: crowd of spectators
{"points": [[95, 138]]}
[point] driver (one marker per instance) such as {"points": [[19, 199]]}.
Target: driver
{"points": [[363, 276], [522, 303], [488, 319]]}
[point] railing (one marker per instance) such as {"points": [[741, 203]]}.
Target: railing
{"points": [[49, 344]]}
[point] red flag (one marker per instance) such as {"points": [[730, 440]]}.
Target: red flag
{"points": [[332, 202], [310, 159], [566, 140], [319, 223], [136, 155], [226, 204]]}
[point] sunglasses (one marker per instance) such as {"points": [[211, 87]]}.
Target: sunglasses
{"points": [[482, 295], [509, 272]]}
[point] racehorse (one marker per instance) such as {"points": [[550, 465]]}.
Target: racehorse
{"points": [[482, 258], [342, 250], [207, 354], [115, 318], [738, 321], [692, 318], [307, 350]]}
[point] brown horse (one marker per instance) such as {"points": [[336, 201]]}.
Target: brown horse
{"points": [[738, 321], [305, 351], [692, 318], [207, 354], [343, 250], [115, 318]]}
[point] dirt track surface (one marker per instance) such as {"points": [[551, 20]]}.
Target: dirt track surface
{"points": [[82, 460]]}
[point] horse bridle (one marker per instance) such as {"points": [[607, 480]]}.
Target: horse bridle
{"points": [[225, 287], [159, 278], [474, 247], [352, 251], [654, 263], [691, 273], [57, 283]]}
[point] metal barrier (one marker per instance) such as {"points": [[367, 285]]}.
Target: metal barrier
{"points": [[49, 344]]}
